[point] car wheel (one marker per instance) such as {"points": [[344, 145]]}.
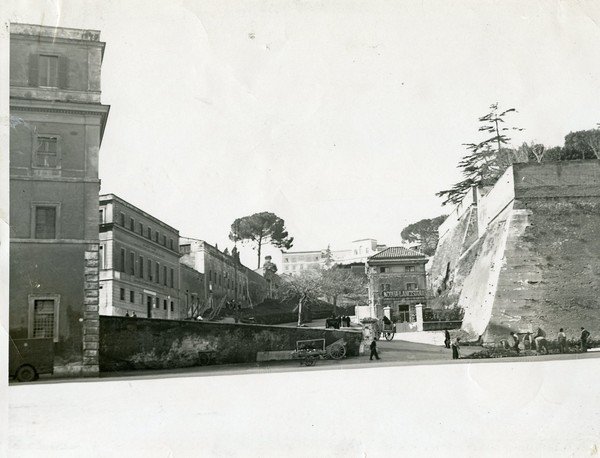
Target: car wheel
{"points": [[26, 374]]}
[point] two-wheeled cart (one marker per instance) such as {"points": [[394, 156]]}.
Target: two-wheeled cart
{"points": [[309, 351]]}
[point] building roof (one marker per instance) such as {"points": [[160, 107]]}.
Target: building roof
{"points": [[395, 252]]}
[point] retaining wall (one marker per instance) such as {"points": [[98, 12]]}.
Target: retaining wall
{"points": [[141, 343]]}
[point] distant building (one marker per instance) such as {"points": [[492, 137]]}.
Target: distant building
{"points": [[225, 278], [139, 262], [192, 293], [397, 279], [358, 252], [57, 124]]}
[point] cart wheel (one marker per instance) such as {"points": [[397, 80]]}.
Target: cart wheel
{"points": [[26, 374], [337, 351], [389, 336]]}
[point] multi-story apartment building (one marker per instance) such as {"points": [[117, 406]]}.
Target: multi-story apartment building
{"points": [[57, 124], [225, 278], [397, 279], [139, 262], [357, 252]]}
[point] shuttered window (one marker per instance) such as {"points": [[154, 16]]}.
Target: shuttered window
{"points": [[48, 70], [46, 152], [45, 222]]}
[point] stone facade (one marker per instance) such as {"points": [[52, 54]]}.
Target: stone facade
{"points": [[139, 259], [397, 279], [57, 123], [225, 278]]}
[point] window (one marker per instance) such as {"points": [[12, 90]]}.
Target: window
{"points": [[141, 226], [149, 233], [47, 152], [45, 222], [171, 244], [122, 263], [411, 286], [131, 297], [164, 242], [409, 269], [101, 216], [164, 304], [165, 275], [382, 270], [156, 236], [132, 263], [141, 268], [149, 304], [157, 273], [101, 257], [43, 319], [172, 306], [131, 224], [150, 276], [122, 295], [123, 219], [156, 302], [48, 71], [172, 282]]}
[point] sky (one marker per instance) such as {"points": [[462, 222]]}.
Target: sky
{"points": [[342, 117]]}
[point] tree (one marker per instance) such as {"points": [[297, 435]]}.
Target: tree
{"points": [[328, 257], [338, 282], [583, 144], [261, 228], [303, 287], [424, 233], [487, 160]]}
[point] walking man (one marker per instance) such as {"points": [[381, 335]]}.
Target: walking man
{"points": [[584, 337], [456, 348], [374, 351], [447, 338], [562, 341]]}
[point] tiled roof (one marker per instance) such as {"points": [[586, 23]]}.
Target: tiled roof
{"points": [[397, 252]]}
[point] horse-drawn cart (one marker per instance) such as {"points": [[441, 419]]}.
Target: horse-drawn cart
{"points": [[309, 351], [388, 330]]}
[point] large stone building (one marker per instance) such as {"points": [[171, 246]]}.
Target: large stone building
{"points": [[57, 124], [358, 251], [524, 253], [397, 279], [139, 262], [225, 278]]}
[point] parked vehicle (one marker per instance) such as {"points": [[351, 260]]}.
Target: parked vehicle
{"points": [[28, 358]]}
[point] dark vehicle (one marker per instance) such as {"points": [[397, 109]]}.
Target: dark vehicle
{"points": [[28, 358]]}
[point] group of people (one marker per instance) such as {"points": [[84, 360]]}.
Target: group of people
{"points": [[133, 315], [455, 344], [541, 344], [338, 321]]}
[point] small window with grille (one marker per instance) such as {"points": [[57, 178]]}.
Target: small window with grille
{"points": [[43, 318]]}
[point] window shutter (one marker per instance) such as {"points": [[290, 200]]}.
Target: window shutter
{"points": [[63, 69], [34, 70]]}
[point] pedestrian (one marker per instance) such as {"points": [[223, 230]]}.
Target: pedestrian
{"points": [[133, 315], [540, 340], [562, 341], [127, 314], [374, 350], [456, 348], [514, 342], [584, 337], [447, 338], [348, 321]]}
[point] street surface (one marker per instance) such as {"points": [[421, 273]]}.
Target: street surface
{"points": [[548, 408]]}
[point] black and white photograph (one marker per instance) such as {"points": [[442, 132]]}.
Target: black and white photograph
{"points": [[300, 228]]}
